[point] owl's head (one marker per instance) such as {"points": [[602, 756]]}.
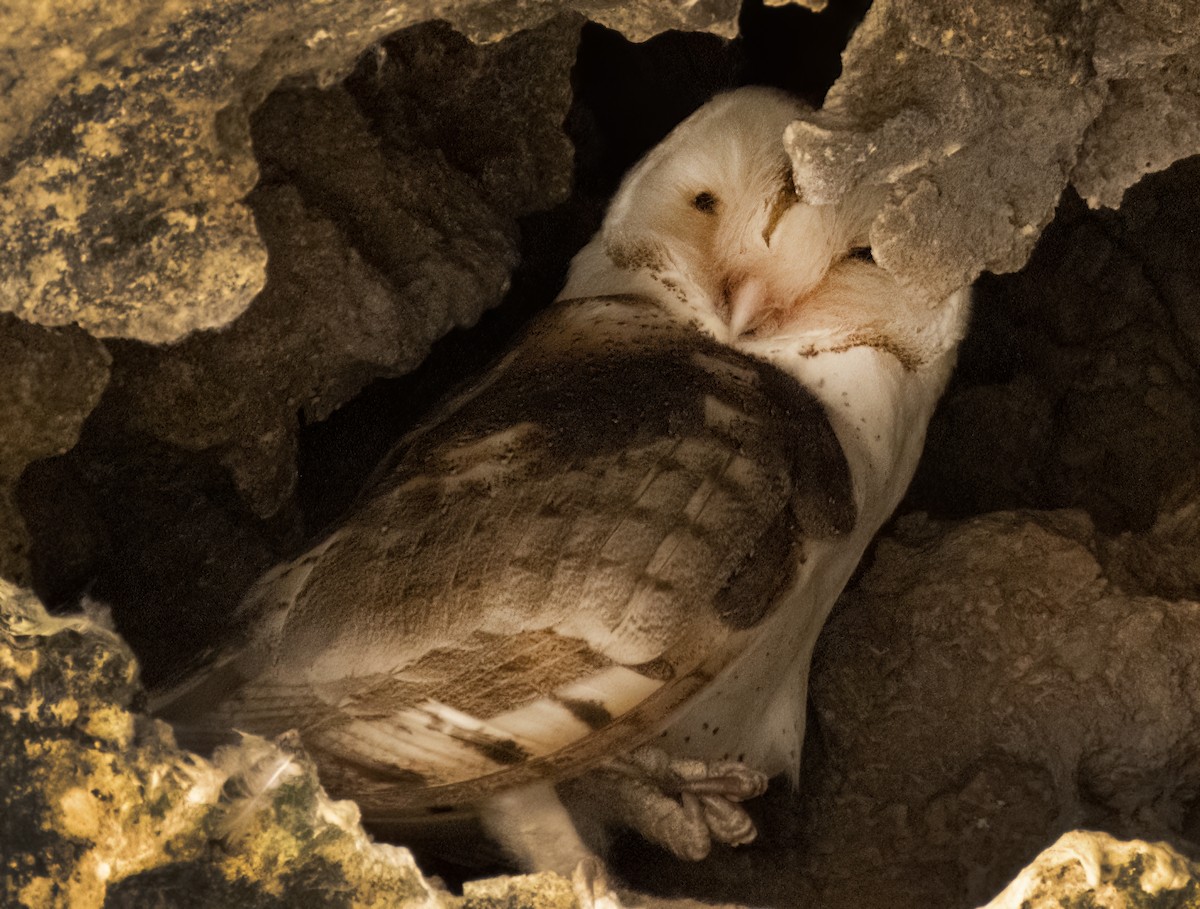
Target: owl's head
{"points": [[709, 224]]}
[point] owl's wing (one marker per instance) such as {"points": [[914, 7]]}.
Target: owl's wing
{"points": [[578, 546]]}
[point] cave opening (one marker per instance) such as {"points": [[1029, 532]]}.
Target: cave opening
{"points": [[1014, 658]]}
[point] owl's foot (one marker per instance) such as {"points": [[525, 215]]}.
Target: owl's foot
{"points": [[682, 804]]}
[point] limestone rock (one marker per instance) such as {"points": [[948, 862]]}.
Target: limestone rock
{"points": [[1086, 868], [491, 20], [985, 687], [975, 115], [1150, 54], [49, 382], [1079, 385], [815, 5], [385, 230], [536, 891], [125, 146], [92, 792]]}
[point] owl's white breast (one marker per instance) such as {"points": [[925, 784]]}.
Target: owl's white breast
{"points": [[879, 409]]}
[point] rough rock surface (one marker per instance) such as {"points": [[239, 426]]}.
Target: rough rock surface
{"points": [[92, 793], [386, 229], [1095, 870], [992, 708], [1079, 385], [41, 412], [125, 147], [977, 115]]}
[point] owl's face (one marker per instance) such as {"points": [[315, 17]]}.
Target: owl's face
{"points": [[710, 224]]}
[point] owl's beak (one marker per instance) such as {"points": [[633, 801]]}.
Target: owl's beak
{"points": [[744, 303]]}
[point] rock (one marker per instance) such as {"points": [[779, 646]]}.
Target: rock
{"points": [[985, 687], [41, 414], [382, 237], [1079, 385], [1150, 54], [92, 792], [1088, 868], [1165, 560], [976, 116], [125, 146], [537, 891]]}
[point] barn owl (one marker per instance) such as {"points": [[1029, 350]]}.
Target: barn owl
{"points": [[607, 561]]}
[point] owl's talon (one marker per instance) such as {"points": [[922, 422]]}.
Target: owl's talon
{"points": [[728, 821], [730, 780], [751, 784], [682, 804]]}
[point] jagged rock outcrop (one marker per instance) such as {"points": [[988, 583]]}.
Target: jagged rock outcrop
{"points": [[977, 115], [1084, 868], [987, 686], [125, 153], [263, 208]]}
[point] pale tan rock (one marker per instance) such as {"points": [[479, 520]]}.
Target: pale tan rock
{"points": [[535, 891], [1093, 869], [125, 141], [1149, 51], [977, 115]]}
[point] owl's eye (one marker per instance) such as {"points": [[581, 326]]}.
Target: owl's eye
{"points": [[705, 202], [862, 253]]}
